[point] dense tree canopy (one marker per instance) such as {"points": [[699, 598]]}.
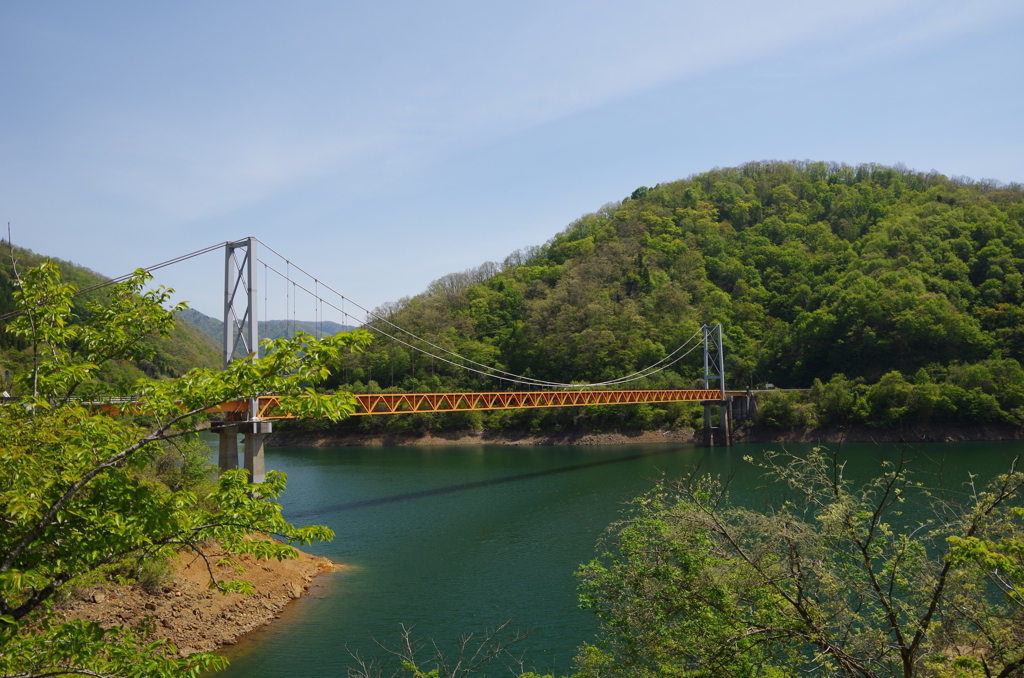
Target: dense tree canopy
{"points": [[814, 270]]}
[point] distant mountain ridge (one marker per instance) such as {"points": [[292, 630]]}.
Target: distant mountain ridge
{"points": [[269, 329]]}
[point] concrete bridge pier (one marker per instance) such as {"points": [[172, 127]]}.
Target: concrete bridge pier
{"points": [[255, 433], [744, 407], [228, 447], [738, 408], [254, 444], [734, 408], [721, 434]]}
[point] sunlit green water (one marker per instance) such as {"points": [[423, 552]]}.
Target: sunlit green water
{"points": [[459, 538]]}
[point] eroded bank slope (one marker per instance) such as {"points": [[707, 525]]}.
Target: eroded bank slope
{"points": [[748, 434], [192, 616]]}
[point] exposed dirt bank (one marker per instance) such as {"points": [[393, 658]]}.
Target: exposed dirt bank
{"points": [[192, 616], [476, 437], [864, 434], [909, 434]]}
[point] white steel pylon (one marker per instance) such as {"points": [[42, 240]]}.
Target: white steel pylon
{"points": [[714, 370], [242, 334], [240, 278], [714, 357]]}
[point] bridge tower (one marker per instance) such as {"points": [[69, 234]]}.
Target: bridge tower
{"points": [[714, 371], [241, 336]]}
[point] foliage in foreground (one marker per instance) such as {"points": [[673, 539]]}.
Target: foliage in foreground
{"points": [[889, 579], [894, 578], [73, 498]]}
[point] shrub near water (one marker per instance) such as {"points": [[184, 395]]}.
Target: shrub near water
{"points": [[81, 490], [989, 392], [830, 580]]}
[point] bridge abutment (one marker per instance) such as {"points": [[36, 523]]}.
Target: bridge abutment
{"points": [[734, 408]]}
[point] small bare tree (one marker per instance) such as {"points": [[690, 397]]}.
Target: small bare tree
{"points": [[419, 658]]}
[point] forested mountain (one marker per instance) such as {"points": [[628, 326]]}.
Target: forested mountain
{"points": [[894, 295], [814, 270], [171, 356]]}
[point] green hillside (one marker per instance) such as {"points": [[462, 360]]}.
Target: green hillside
{"points": [[814, 270], [278, 329], [171, 356]]}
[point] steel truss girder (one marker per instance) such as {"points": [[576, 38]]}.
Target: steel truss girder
{"points": [[407, 403]]}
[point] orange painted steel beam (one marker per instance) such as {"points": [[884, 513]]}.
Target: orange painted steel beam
{"points": [[405, 403], [118, 408]]}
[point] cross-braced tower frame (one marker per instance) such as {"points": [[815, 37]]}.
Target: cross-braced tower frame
{"points": [[714, 377], [242, 336]]}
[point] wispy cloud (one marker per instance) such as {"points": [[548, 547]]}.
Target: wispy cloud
{"points": [[229, 108]]}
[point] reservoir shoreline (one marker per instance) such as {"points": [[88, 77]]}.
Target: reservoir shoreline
{"points": [[744, 434]]}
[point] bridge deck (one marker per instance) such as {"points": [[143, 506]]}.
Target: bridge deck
{"points": [[399, 403]]}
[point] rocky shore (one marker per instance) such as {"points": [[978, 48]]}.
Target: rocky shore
{"points": [[743, 434], [189, 614]]}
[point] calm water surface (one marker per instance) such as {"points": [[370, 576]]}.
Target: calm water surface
{"points": [[456, 539]]}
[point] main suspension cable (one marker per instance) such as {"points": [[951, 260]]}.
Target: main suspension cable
{"points": [[492, 371], [488, 370], [513, 377], [128, 276]]}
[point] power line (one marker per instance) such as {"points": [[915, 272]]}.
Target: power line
{"points": [[291, 300]]}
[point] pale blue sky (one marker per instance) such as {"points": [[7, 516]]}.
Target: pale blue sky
{"points": [[382, 145]]}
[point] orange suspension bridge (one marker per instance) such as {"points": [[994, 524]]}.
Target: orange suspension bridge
{"points": [[253, 417]]}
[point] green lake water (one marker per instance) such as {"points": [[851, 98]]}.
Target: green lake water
{"points": [[456, 539]]}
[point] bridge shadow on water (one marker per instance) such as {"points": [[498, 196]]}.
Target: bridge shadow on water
{"points": [[462, 487]]}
